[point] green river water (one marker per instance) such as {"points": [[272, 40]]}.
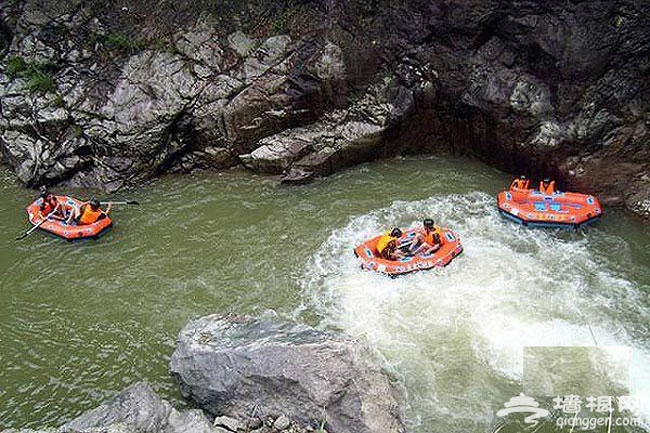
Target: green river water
{"points": [[81, 321]]}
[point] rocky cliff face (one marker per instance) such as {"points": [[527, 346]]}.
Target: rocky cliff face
{"points": [[110, 93]]}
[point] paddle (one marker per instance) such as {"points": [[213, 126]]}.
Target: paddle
{"points": [[29, 232], [120, 202]]}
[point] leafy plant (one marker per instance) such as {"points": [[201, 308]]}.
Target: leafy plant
{"points": [[78, 131], [161, 44], [58, 101], [120, 42], [15, 67], [323, 421], [36, 75], [39, 81]]}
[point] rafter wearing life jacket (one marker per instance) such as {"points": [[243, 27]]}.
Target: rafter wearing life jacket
{"points": [[521, 183], [547, 186], [90, 213], [387, 244]]}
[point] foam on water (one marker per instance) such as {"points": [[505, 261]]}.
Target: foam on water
{"points": [[456, 335]]}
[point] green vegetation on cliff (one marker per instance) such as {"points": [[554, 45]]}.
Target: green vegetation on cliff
{"points": [[37, 76]]}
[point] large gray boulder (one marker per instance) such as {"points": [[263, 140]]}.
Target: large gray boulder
{"points": [[239, 366]]}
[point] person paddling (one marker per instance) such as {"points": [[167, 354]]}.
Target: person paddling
{"points": [[51, 206]]}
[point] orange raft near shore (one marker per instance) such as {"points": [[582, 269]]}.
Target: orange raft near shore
{"points": [[370, 259], [59, 228], [561, 209]]}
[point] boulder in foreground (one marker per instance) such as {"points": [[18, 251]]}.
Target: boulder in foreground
{"points": [[242, 367]]}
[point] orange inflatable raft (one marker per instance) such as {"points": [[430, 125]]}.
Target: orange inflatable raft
{"points": [[560, 209], [370, 259], [59, 228]]}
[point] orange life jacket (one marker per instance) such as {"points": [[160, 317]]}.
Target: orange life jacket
{"points": [[520, 184], [433, 237], [549, 190], [88, 215]]}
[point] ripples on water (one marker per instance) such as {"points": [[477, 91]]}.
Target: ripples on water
{"points": [[79, 322], [456, 336]]}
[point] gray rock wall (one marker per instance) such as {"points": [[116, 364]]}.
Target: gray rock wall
{"points": [[105, 94]]}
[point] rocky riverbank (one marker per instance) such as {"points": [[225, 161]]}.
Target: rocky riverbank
{"points": [[257, 375], [108, 94]]}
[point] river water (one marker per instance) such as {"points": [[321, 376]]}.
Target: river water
{"points": [[79, 322]]}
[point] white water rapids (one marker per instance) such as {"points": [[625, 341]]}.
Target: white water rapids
{"points": [[456, 336]]}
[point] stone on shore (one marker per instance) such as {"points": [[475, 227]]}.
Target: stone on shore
{"points": [[137, 409]]}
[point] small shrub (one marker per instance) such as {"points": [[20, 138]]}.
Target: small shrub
{"points": [[15, 67], [282, 24], [58, 101], [160, 44], [321, 427], [78, 131], [120, 42], [116, 41], [39, 81], [36, 75]]}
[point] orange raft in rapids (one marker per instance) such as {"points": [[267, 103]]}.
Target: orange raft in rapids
{"points": [[59, 228], [560, 209], [370, 259]]}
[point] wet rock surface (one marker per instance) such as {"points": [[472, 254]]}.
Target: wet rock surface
{"points": [[103, 95], [136, 409], [242, 367], [256, 375]]}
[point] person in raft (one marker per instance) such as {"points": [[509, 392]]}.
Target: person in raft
{"points": [[520, 183], [50, 205], [89, 213], [547, 186], [428, 240], [387, 245]]}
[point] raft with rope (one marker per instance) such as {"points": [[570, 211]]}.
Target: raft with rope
{"points": [[372, 261], [62, 229], [561, 209]]}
